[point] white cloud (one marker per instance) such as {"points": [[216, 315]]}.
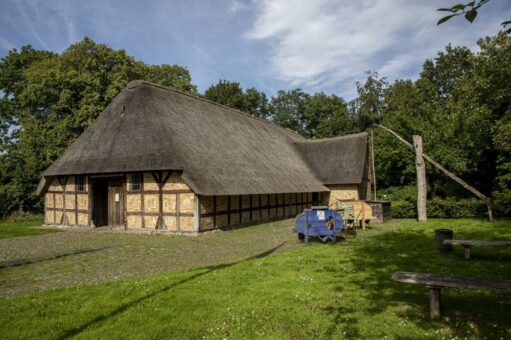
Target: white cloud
{"points": [[322, 43], [29, 23], [238, 6]]}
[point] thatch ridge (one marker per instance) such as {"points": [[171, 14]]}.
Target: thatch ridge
{"points": [[136, 83]]}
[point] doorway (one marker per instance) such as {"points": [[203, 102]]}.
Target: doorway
{"points": [[100, 200], [107, 202]]}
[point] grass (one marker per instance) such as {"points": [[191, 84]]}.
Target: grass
{"points": [[282, 291], [27, 227]]}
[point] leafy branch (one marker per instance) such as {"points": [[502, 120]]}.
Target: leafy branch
{"points": [[469, 10]]}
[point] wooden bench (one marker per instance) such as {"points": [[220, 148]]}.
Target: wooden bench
{"points": [[436, 282], [468, 244]]}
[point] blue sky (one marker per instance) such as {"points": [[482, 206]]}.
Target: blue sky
{"points": [[323, 45]]}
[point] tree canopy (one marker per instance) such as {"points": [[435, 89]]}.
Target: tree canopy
{"points": [[460, 104], [48, 99]]}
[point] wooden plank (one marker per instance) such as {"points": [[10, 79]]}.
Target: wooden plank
{"points": [[142, 199], [229, 210], [178, 213], [250, 199], [83, 211], [158, 177], [284, 205], [89, 206], [54, 211], [156, 192], [268, 205], [478, 243], [196, 217], [125, 201], [76, 202], [214, 211], [433, 280], [139, 213], [373, 169], [240, 213], [434, 302], [260, 208]]}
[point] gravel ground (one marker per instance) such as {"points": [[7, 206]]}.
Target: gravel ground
{"points": [[87, 256]]}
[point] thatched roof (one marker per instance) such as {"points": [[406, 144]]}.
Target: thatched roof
{"points": [[221, 151], [338, 160]]}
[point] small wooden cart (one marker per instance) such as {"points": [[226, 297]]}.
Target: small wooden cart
{"points": [[353, 213]]}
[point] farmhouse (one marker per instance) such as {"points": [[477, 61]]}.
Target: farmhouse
{"points": [[157, 158]]}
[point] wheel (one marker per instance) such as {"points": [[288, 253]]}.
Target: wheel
{"points": [[301, 236]]}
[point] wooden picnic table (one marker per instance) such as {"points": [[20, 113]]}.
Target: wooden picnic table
{"points": [[468, 244], [436, 282]]}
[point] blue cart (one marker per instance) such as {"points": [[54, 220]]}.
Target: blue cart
{"points": [[320, 222]]}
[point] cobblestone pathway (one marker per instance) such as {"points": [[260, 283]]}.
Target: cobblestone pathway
{"points": [[85, 256]]}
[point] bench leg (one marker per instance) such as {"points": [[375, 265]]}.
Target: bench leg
{"points": [[434, 302], [467, 251]]}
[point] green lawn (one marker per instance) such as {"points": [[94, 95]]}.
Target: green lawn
{"points": [[28, 227], [283, 291]]}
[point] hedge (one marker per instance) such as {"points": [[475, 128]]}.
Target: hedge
{"points": [[442, 207]]}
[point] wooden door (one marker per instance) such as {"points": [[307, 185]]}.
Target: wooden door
{"points": [[100, 202], [115, 206]]}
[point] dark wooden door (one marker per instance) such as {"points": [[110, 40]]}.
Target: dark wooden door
{"points": [[115, 200], [100, 202]]}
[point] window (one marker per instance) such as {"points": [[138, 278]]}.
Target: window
{"points": [[135, 182], [80, 183]]}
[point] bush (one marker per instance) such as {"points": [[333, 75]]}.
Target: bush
{"points": [[22, 217], [404, 209], [442, 208]]}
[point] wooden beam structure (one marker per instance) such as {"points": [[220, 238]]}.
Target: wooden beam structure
{"points": [[449, 174]]}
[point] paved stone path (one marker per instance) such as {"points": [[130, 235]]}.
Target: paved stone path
{"points": [[87, 256]]}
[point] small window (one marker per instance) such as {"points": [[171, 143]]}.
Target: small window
{"points": [[135, 182], [80, 183]]}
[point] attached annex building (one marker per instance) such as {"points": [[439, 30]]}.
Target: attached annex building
{"points": [[157, 158]]}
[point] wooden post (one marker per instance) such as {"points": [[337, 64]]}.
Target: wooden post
{"points": [[491, 217], [372, 165], [196, 214], [363, 217], [467, 251], [434, 302], [421, 179]]}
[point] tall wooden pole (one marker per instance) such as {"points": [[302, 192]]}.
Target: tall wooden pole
{"points": [[421, 179], [372, 164]]}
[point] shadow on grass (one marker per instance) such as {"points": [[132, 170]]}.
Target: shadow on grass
{"points": [[415, 251], [124, 307], [21, 262]]}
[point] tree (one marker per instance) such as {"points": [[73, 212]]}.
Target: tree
{"points": [[326, 116], [49, 99], [461, 106], [255, 103], [231, 94], [370, 102], [226, 93], [286, 109]]}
